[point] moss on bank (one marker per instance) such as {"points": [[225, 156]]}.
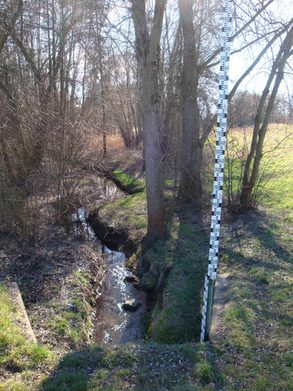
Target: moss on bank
{"points": [[121, 222], [127, 183], [178, 263]]}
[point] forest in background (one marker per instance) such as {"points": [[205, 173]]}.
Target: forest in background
{"points": [[76, 72]]}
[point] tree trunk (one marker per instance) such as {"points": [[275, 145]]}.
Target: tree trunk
{"points": [[190, 186], [148, 56], [153, 155]]}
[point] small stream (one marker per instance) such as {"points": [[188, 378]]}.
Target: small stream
{"points": [[112, 324]]}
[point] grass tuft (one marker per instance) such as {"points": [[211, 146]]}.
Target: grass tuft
{"points": [[203, 371]]}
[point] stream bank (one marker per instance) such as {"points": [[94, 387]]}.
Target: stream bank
{"points": [[119, 307], [171, 271]]}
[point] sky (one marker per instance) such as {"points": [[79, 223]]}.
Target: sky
{"points": [[255, 82]]}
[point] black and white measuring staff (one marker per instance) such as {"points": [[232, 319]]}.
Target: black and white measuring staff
{"points": [[222, 110]]}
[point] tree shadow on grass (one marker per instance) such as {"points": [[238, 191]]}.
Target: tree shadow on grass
{"points": [[183, 257], [191, 257], [144, 367], [265, 228]]}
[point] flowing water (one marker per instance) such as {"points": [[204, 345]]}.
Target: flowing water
{"points": [[113, 325]]}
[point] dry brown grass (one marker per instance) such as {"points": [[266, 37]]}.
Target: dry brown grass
{"points": [[114, 143]]}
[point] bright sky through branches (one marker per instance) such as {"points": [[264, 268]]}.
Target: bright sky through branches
{"points": [[282, 10]]}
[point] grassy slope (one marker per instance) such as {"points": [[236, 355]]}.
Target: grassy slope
{"points": [[184, 254], [255, 336]]}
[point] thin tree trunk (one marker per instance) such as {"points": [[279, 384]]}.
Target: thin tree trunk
{"points": [[252, 164]]}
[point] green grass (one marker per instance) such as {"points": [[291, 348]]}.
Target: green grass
{"points": [[258, 313], [17, 353], [73, 321], [175, 270], [276, 171], [279, 188], [128, 183], [147, 367], [260, 274], [204, 372], [260, 261], [129, 214]]}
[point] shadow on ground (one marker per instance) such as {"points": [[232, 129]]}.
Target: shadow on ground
{"points": [[146, 367], [177, 266]]}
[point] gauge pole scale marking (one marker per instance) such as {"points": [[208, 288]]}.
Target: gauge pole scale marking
{"points": [[222, 111]]}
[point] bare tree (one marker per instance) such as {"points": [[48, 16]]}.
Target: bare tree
{"points": [[264, 110]]}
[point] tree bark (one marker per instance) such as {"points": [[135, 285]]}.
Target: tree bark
{"points": [[190, 186], [148, 55]]}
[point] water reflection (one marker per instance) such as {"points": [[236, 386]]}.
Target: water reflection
{"points": [[80, 224], [109, 190]]}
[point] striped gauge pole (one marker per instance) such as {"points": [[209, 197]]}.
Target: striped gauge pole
{"points": [[222, 110]]}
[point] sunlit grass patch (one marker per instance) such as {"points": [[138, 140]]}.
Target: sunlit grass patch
{"points": [[17, 353], [260, 274], [127, 182], [275, 186], [204, 372], [240, 320]]}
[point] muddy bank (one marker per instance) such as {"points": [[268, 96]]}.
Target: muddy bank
{"points": [[115, 237], [58, 279]]}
